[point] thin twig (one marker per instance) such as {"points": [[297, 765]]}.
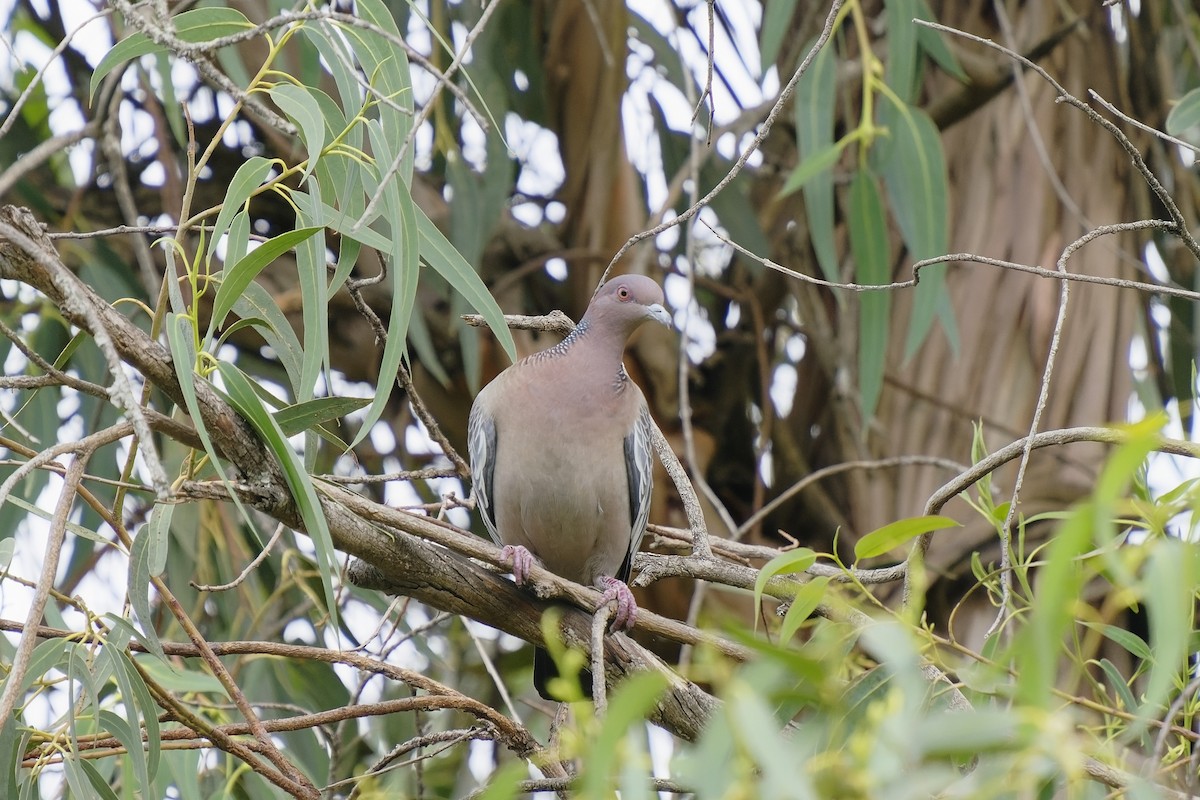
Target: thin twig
{"points": [[258, 559], [971, 258], [122, 392], [1166, 137], [599, 688], [836, 469], [750, 149], [1139, 163], [14, 684], [490, 667]]}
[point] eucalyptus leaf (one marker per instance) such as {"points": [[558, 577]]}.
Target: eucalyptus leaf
{"points": [[894, 534]]}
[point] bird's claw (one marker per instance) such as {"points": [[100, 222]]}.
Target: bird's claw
{"points": [[616, 591], [517, 558]]}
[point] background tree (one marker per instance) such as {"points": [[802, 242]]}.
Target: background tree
{"points": [[313, 196]]}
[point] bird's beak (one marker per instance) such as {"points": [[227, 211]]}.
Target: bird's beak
{"points": [[657, 313]]}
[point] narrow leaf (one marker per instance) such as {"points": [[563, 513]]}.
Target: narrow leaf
{"points": [[820, 161], [242, 395], [776, 22], [934, 44], [894, 534], [901, 71], [249, 176], [311, 413], [787, 563], [140, 572], [807, 598], [239, 276], [872, 264], [194, 27], [1185, 116], [305, 111], [310, 269], [99, 782], [133, 46], [441, 255], [1129, 640], [914, 174], [814, 109]]}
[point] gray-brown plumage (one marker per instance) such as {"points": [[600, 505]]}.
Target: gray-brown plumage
{"points": [[561, 456]]}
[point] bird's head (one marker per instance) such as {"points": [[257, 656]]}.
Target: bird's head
{"points": [[627, 301]]}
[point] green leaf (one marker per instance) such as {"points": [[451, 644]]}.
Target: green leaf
{"points": [[441, 255], [388, 67], [342, 222], [46, 656], [1170, 584], [310, 269], [787, 563], [966, 734], [1119, 684], [403, 271], [1126, 639], [238, 240], [934, 44], [820, 161], [183, 358], [133, 46], [815, 96], [1059, 585], [256, 301], [137, 702], [311, 413], [914, 175], [194, 27], [776, 22], [629, 705], [902, 53], [894, 534], [299, 104], [183, 681], [338, 60], [238, 277], [1185, 116], [872, 263], [147, 558], [807, 598], [6, 545], [99, 782], [244, 323], [243, 397], [249, 176], [209, 23]]}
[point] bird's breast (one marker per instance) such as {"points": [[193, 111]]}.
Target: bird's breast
{"points": [[569, 503]]}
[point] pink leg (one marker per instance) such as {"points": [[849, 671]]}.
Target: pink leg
{"points": [[626, 606], [519, 559]]}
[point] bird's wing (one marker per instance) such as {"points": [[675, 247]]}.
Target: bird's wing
{"points": [[481, 446], [639, 466]]}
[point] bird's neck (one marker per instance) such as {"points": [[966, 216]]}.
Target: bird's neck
{"points": [[600, 349]]}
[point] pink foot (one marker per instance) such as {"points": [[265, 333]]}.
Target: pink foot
{"points": [[626, 606], [517, 558]]}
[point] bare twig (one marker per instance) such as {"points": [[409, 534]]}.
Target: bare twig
{"points": [[245, 573], [69, 285], [599, 625], [750, 149], [14, 684]]}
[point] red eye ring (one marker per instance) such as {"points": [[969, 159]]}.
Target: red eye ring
{"points": [[623, 293]]}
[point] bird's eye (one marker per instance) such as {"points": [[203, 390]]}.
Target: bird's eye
{"points": [[623, 293]]}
